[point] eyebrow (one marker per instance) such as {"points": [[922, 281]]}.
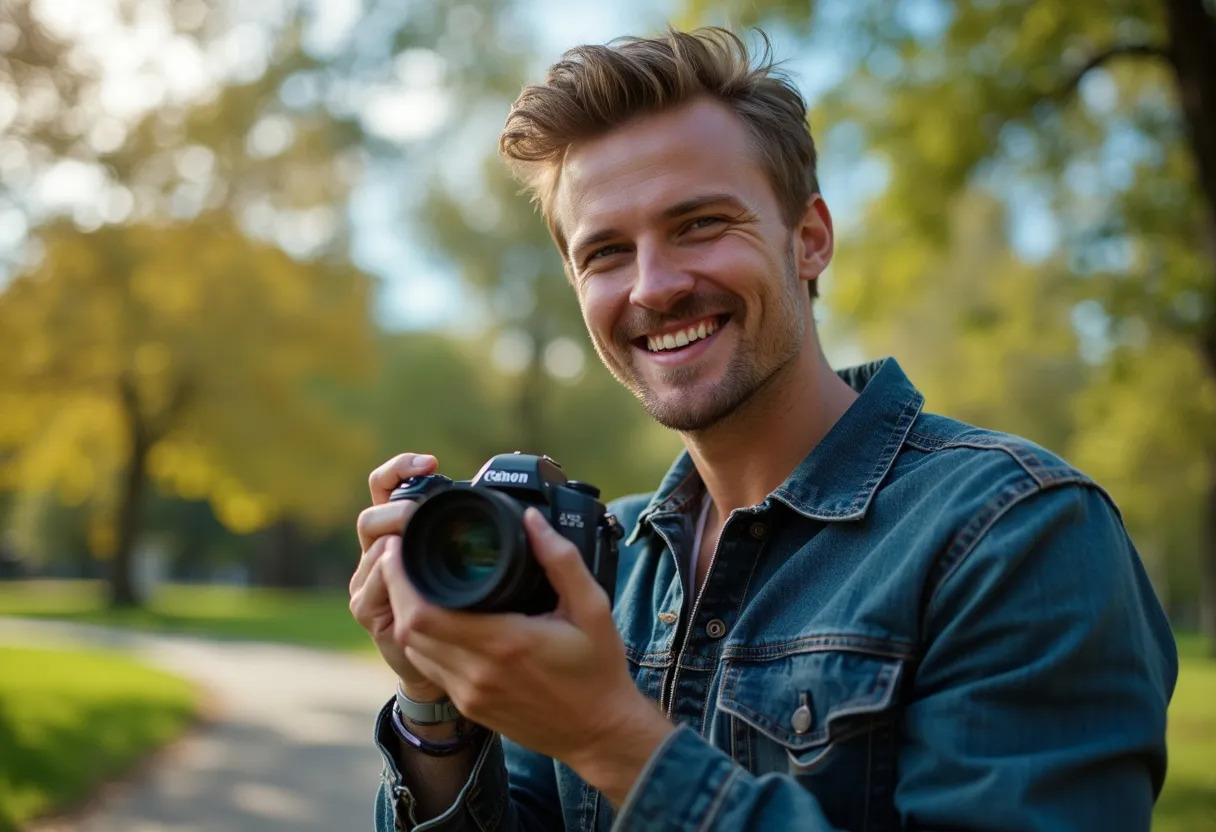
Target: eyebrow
{"points": [[676, 211]]}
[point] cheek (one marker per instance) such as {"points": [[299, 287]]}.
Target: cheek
{"points": [[600, 308]]}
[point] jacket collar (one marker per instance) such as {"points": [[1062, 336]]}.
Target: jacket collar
{"points": [[837, 480]]}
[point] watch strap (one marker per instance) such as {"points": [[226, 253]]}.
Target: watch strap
{"points": [[426, 713]]}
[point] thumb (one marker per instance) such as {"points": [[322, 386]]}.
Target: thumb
{"points": [[576, 589]]}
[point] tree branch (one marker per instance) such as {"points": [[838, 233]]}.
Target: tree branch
{"points": [[1138, 50]]}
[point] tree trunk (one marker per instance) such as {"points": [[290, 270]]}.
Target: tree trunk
{"points": [[122, 584], [1193, 54], [123, 592], [284, 557]]}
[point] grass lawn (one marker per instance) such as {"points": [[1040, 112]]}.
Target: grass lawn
{"points": [[70, 720], [315, 619], [1188, 802]]}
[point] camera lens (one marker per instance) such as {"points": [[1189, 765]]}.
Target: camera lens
{"points": [[465, 548], [466, 543]]}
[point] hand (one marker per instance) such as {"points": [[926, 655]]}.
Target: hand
{"points": [[558, 684], [380, 528]]}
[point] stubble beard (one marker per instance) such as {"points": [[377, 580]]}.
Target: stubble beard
{"points": [[753, 366]]}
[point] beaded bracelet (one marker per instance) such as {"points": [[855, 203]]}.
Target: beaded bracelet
{"points": [[430, 747]]}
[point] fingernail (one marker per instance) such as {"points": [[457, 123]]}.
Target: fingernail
{"points": [[423, 460]]}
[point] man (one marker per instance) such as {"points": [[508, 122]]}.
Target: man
{"points": [[837, 611]]}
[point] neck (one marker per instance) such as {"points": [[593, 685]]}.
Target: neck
{"points": [[743, 458]]}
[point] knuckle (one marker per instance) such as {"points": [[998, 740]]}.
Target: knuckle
{"points": [[415, 620], [363, 522], [401, 632]]}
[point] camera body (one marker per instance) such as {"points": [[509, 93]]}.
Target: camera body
{"points": [[465, 546]]}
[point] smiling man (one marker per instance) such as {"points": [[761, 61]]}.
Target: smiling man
{"points": [[837, 611]]}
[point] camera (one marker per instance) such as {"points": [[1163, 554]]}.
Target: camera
{"points": [[465, 548]]}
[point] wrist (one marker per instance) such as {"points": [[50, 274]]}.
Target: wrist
{"points": [[422, 690], [613, 764]]}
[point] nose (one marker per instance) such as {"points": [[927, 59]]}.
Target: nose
{"points": [[659, 283]]}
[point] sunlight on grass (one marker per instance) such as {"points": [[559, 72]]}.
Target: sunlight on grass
{"points": [[70, 720], [316, 619], [1188, 801]]}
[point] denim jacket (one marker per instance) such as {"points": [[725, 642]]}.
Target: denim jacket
{"points": [[926, 626]]}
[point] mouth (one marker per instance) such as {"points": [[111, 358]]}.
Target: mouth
{"points": [[683, 339]]}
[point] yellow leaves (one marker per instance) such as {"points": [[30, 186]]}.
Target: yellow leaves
{"points": [[221, 338], [183, 468], [168, 290], [1041, 22], [152, 360], [241, 512]]}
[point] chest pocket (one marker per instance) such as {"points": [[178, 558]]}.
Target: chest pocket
{"points": [[829, 718]]}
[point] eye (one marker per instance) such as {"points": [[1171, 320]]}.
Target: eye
{"points": [[606, 251], [702, 223]]}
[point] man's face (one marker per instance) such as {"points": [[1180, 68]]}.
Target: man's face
{"points": [[689, 280]]}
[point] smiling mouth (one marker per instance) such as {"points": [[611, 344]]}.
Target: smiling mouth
{"points": [[675, 340]]}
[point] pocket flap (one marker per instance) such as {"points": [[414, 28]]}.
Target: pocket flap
{"points": [[831, 684]]}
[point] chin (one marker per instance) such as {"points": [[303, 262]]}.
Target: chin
{"points": [[676, 414]]}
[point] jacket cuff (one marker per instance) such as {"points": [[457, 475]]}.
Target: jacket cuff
{"points": [[481, 801], [682, 786]]}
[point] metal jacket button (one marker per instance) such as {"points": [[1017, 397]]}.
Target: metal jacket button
{"points": [[758, 530], [801, 720], [716, 628]]}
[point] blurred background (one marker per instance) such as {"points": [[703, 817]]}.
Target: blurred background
{"points": [[250, 250]]}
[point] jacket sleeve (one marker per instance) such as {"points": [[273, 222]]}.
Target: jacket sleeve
{"points": [[509, 788], [1039, 702]]}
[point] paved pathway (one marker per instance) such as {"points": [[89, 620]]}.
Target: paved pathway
{"points": [[288, 746]]}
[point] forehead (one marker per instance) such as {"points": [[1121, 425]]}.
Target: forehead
{"points": [[639, 169]]}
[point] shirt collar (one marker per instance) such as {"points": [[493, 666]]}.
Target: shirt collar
{"points": [[837, 480]]}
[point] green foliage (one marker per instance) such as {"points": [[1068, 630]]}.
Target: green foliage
{"points": [[70, 720]]}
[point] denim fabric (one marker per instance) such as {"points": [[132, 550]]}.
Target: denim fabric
{"points": [[926, 626]]}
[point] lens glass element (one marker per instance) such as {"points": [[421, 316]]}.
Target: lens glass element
{"points": [[467, 543]]}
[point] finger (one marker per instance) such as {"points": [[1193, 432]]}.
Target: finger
{"points": [[476, 631], [582, 597], [368, 599], [384, 519], [454, 659], [367, 563], [396, 471], [408, 606]]}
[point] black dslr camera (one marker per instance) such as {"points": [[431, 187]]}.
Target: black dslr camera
{"points": [[465, 547]]}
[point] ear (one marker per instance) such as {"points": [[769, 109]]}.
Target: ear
{"points": [[814, 239]]}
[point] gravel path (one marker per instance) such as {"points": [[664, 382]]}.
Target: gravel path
{"points": [[288, 745]]}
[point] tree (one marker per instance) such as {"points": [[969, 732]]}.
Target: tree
{"points": [[184, 353], [183, 323], [1096, 124]]}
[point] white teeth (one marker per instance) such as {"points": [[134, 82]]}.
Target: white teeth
{"points": [[656, 343]]}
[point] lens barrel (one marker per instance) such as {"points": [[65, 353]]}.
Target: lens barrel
{"points": [[465, 548]]}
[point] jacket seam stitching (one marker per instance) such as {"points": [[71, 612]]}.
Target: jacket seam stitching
{"points": [[818, 644], [976, 531], [715, 806]]}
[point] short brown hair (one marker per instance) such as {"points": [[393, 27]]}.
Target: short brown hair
{"points": [[593, 89]]}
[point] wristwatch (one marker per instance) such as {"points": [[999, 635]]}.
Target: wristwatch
{"points": [[426, 713]]}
